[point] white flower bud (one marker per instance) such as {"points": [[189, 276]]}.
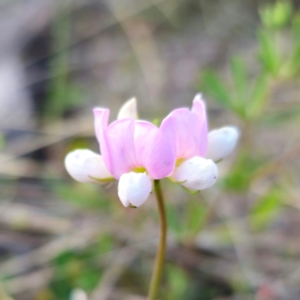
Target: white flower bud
{"points": [[221, 142], [128, 110], [78, 294], [86, 166], [196, 173], [134, 188]]}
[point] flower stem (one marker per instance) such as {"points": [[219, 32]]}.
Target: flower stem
{"points": [[160, 255]]}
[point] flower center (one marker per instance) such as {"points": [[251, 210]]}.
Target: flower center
{"points": [[179, 161], [139, 170]]}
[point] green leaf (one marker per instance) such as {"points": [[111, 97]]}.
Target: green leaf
{"points": [[258, 97], [266, 208], [294, 62], [279, 117], [174, 219], [88, 196], [296, 26], [213, 86], [294, 58], [239, 74], [177, 283], [275, 16], [2, 140], [195, 216], [62, 92], [268, 55], [240, 176], [240, 84]]}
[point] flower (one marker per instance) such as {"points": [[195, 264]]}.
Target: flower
{"points": [[133, 152], [85, 165], [188, 132], [133, 146]]}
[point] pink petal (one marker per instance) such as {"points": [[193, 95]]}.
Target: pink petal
{"points": [[119, 143], [182, 127], [153, 150], [199, 108], [101, 116], [116, 142]]}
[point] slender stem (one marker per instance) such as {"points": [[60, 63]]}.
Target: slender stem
{"points": [[160, 254]]}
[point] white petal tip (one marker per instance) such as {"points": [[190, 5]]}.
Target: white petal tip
{"points": [[196, 173], [85, 165], [199, 98], [221, 142], [78, 294], [134, 188], [128, 110]]}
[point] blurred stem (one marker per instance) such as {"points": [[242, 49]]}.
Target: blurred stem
{"points": [[160, 254], [59, 64]]}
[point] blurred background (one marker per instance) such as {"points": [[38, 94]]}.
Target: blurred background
{"points": [[60, 239]]}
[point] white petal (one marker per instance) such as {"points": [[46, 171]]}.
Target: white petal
{"points": [[128, 110], [134, 188], [122, 188], [221, 142], [78, 294], [86, 166], [196, 173]]}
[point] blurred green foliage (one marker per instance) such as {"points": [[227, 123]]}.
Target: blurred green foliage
{"points": [[186, 221], [276, 15], [266, 208], [2, 140], [178, 282], [248, 92], [87, 196], [63, 93], [240, 176], [79, 269]]}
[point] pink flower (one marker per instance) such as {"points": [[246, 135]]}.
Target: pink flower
{"points": [[129, 145], [187, 130], [132, 151], [135, 152]]}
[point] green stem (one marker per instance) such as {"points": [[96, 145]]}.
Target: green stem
{"points": [[160, 255]]}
